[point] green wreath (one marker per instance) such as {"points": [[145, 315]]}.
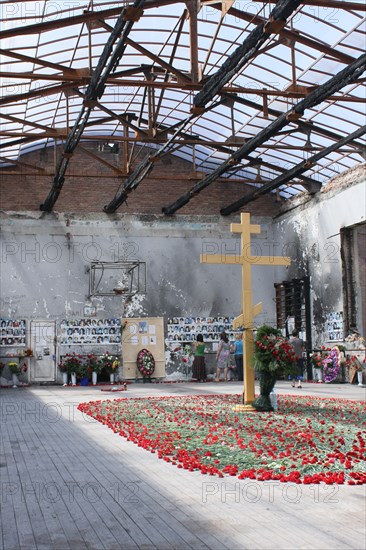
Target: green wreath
{"points": [[145, 362]]}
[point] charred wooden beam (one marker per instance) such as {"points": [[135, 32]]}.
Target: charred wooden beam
{"points": [[294, 172], [243, 53], [303, 125], [343, 78], [291, 35], [109, 59], [250, 45]]}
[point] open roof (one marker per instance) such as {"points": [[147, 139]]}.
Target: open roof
{"points": [[269, 93]]}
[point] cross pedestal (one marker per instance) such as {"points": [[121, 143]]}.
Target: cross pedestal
{"points": [[246, 318]]}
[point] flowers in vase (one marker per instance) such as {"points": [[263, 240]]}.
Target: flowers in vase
{"points": [[109, 362], [93, 363], [17, 368], [316, 360], [273, 353], [70, 363]]}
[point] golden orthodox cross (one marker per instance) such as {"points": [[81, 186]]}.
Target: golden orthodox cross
{"points": [[246, 319]]}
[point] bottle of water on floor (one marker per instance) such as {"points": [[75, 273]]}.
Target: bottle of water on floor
{"points": [[273, 398]]}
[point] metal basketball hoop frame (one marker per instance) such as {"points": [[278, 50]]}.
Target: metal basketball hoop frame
{"points": [[121, 278]]}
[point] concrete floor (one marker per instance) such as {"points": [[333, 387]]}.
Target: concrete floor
{"points": [[68, 482]]}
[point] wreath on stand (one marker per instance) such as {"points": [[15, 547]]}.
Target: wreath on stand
{"points": [[145, 362]]}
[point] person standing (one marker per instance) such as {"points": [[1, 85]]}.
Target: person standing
{"points": [[238, 355], [223, 357], [199, 365], [298, 345]]}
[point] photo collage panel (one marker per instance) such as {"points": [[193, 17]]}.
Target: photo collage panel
{"points": [[334, 326], [185, 329], [13, 332], [90, 331]]}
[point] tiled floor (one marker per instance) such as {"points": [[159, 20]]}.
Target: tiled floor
{"points": [[70, 483]]}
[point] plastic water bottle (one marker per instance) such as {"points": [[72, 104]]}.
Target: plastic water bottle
{"points": [[273, 398]]}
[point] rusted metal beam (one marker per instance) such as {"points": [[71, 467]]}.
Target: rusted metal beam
{"points": [[37, 169], [224, 146], [292, 35], [110, 57], [250, 17], [86, 17], [72, 83], [250, 45], [243, 53], [101, 160], [303, 125], [22, 121], [337, 82], [49, 90], [36, 61], [193, 8], [124, 119], [180, 76], [294, 172], [171, 59]]}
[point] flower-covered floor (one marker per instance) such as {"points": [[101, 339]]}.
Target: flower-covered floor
{"points": [[309, 440]]}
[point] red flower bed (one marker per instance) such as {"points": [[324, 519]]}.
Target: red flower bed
{"points": [[310, 440]]}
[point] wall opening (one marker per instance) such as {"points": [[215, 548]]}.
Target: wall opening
{"points": [[353, 255], [293, 311]]}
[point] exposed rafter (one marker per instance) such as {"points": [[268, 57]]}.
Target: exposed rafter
{"points": [[294, 172], [108, 61], [196, 79], [292, 35], [237, 60], [344, 77], [302, 125], [246, 50]]}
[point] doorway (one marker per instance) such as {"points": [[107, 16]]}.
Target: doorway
{"points": [[43, 339]]}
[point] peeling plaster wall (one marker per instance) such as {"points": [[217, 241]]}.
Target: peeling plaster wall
{"points": [[44, 261], [311, 233]]}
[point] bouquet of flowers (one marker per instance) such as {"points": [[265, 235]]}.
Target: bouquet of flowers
{"points": [[71, 362], [317, 360], [93, 363], [17, 368], [331, 365], [273, 355], [109, 362], [272, 352]]}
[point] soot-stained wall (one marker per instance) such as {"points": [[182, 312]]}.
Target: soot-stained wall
{"points": [[45, 258], [310, 230]]}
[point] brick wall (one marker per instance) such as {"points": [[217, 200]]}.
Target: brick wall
{"points": [[23, 189]]}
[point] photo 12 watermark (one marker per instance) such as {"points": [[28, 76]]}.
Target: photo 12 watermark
{"points": [[268, 492]]}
